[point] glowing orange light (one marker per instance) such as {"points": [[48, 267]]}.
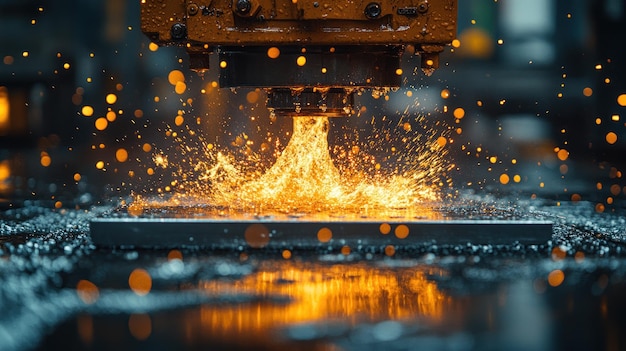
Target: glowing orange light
{"points": [[140, 281], [390, 250], [611, 138], [385, 228], [111, 116], [5, 109], [175, 76], [558, 254], [562, 154], [615, 189], [179, 120], [257, 235], [459, 112], [599, 208], [45, 160], [87, 111], [87, 291], [180, 88], [504, 178], [111, 99], [252, 97], [301, 61], [286, 254], [223, 64], [579, 256], [324, 235], [445, 93], [621, 100], [174, 255], [587, 91], [442, 141], [402, 231], [101, 123], [121, 155], [556, 277], [273, 52]]}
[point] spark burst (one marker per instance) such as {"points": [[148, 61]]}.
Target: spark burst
{"points": [[305, 178]]}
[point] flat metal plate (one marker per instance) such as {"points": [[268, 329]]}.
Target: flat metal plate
{"points": [[180, 227]]}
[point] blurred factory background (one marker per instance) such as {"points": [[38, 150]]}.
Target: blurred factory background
{"points": [[532, 91]]}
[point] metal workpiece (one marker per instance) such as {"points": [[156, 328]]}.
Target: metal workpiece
{"points": [[167, 228]]}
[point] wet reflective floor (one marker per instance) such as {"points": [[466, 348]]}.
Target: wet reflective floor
{"points": [[355, 306], [60, 291]]}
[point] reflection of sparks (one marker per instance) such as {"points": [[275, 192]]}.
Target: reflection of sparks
{"points": [[140, 326], [5, 174], [305, 179], [4, 109], [353, 293]]}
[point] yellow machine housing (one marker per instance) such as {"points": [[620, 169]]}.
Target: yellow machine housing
{"points": [[347, 44]]}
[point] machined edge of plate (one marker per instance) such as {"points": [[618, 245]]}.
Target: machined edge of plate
{"points": [[262, 232]]}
